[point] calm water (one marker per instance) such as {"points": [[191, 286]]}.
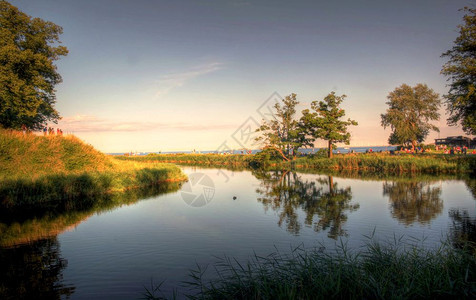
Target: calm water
{"points": [[114, 252]]}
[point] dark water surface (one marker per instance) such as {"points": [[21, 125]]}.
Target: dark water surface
{"points": [[112, 252]]}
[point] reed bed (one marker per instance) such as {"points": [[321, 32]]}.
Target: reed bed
{"points": [[369, 162], [194, 159], [393, 270]]}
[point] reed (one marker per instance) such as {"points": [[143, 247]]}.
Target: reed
{"points": [[392, 270], [368, 162]]}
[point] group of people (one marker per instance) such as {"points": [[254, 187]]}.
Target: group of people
{"points": [[454, 150], [51, 131]]}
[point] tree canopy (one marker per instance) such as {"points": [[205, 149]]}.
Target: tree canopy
{"points": [[461, 72], [283, 132], [325, 121], [28, 49], [411, 109]]}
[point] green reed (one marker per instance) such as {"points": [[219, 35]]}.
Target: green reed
{"points": [[393, 270]]}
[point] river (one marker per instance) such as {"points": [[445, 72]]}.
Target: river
{"points": [[114, 251]]}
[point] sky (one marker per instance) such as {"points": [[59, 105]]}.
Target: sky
{"points": [[163, 75]]}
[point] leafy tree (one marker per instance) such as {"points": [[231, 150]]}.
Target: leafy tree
{"points": [[325, 121], [409, 114], [284, 132], [28, 49], [461, 72]]}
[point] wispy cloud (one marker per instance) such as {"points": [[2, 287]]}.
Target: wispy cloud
{"points": [[171, 81], [88, 123]]}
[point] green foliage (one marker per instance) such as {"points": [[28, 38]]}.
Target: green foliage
{"points": [[461, 72], [28, 49], [409, 114], [284, 131], [325, 121], [263, 158]]}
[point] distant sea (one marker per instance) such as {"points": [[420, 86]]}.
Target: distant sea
{"points": [[306, 150]]}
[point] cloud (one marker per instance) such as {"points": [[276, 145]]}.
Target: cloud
{"points": [[169, 82], [88, 123]]}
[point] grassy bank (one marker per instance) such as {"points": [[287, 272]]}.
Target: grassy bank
{"points": [[364, 162], [379, 271], [39, 171]]}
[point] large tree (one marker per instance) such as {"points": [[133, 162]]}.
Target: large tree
{"points": [[28, 49], [461, 72], [283, 132], [411, 109], [325, 121]]}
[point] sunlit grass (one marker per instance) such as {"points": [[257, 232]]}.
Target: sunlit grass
{"points": [[37, 170]]}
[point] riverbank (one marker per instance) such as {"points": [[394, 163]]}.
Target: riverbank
{"points": [[47, 170], [367, 162]]}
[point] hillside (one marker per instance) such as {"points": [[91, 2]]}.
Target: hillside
{"points": [[37, 171], [31, 155]]}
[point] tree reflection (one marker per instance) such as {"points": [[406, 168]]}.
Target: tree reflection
{"points": [[33, 271], [287, 193], [413, 201], [463, 230], [471, 185]]}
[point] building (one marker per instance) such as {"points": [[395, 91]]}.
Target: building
{"points": [[455, 141]]}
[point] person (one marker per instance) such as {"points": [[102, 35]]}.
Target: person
{"points": [[23, 128], [45, 130]]}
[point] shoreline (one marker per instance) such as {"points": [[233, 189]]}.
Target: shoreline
{"points": [[427, 163]]}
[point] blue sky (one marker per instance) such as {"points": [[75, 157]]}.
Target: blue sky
{"points": [[156, 75]]}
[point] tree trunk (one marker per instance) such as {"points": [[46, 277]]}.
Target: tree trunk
{"points": [[331, 185], [280, 152], [413, 145], [330, 149]]}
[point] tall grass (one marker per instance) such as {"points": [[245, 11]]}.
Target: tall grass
{"points": [[194, 159], [369, 162], [378, 271], [380, 162]]}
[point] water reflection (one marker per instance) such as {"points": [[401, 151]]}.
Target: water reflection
{"points": [[463, 230], [20, 227], [471, 184], [33, 271], [413, 201], [287, 193]]}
